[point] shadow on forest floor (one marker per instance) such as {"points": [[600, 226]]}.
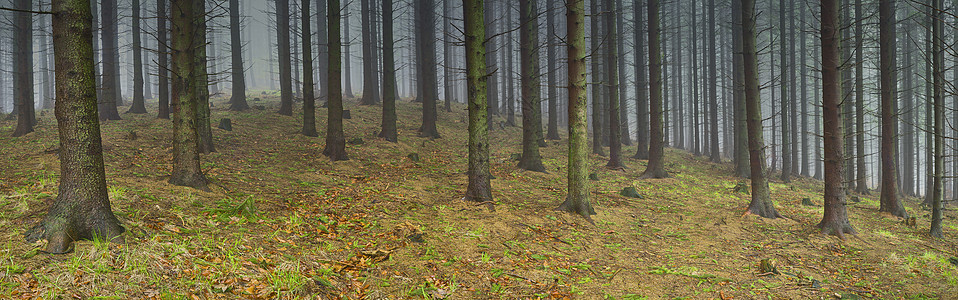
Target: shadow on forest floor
{"points": [[283, 221]]}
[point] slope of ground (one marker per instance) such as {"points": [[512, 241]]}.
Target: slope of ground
{"points": [[283, 221]]}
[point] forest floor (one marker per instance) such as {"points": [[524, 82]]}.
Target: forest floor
{"points": [[282, 221]]}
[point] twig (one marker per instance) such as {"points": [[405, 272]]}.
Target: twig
{"points": [[27, 11]]}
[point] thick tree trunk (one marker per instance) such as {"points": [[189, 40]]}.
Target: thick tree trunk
{"points": [[389, 77], [204, 129], [531, 106], [474, 26], [163, 65], [641, 83], [139, 101], [889, 83], [835, 218], [656, 165], [110, 83], [82, 209], [577, 199], [238, 69], [183, 41], [761, 203], [309, 92], [335, 138], [23, 69], [285, 64]]}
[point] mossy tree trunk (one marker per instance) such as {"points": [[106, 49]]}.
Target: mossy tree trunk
{"points": [[238, 70], [656, 165], [82, 209], [761, 203], [889, 84], [578, 198], [183, 45], [309, 93], [479, 188], [335, 138], [531, 105], [389, 76], [835, 218]]}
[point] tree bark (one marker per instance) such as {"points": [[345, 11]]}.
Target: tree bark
{"points": [[783, 73], [82, 209], [552, 133], [110, 84], [531, 106], [204, 129], [761, 203], [641, 84], [656, 165], [714, 154], [835, 218], [335, 138], [612, 87], [741, 153], [939, 118], [347, 66], [139, 101], [309, 97], [183, 36], [428, 75], [577, 200], [479, 188], [163, 65], [862, 175], [23, 69], [285, 65], [625, 135], [238, 70], [370, 75], [322, 49], [889, 83], [389, 76]]}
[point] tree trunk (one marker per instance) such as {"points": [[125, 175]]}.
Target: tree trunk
{"points": [[612, 87], [641, 84], [204, 129], [162, 60], [624, 136], [139, 102], [889, 83], [862, 175], [929, 111], [23, 69], [761, 203], [46, 65], [846, 101], [696, 140], [447, 56], [492, 91], [741, 160], [335, 138], [531, 107], [939, 111], [835, 218], [553, 126], [238, 70], [428, 75], [285, 65], [309, 98], [577, 199], [108, 96], [595, 55], [389, 76], [474, 26], [184, 42], [370, 75], [714, 154], [82, 209], [793, 104], [322, 49], [656, 165], [803, 74], [347, 41], [508, 75], [783, 76]]}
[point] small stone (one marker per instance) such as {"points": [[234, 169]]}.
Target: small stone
{"points": [[259, 107], [226, 124], [631, 193], [594, 177], [855, 199], [808, 202], [515, 156], [413, 156], [953, 260], [257, 99], [415, 238], [357, 141], [347, 114]]}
